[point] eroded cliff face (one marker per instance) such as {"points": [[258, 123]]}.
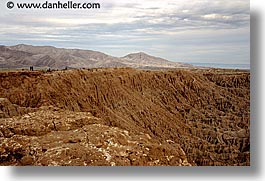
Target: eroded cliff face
{"points": [[180, 117]]}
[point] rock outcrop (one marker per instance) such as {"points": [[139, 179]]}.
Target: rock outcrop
{"points": [[53, 137], [126, 117]]}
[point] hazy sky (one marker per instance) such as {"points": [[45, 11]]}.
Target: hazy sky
{"points": [[178, 30]]}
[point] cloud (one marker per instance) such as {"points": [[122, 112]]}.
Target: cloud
{"points": [[161, 28]]}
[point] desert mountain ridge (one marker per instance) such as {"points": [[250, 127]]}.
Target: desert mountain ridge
{"points": [[23, 56]]}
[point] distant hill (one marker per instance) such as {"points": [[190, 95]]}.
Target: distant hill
{"points": [[23, 56], [144, 60]]}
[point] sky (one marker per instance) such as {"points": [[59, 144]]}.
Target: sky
{"points": [[199, 31]]}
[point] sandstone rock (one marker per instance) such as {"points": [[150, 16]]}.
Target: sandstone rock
{"points": [[126, 117]]}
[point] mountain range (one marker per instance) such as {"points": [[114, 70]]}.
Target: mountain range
{"points": [[23, 56]]}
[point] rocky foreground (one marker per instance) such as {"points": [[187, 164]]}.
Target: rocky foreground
{"points": [[125, 117]]}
